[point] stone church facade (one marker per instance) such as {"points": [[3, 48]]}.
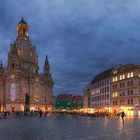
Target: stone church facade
{"points": [[22, 77]]}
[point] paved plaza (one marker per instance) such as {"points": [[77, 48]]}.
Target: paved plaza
{"points": [[68, 128]]}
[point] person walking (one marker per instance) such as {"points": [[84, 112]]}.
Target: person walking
{"points": [[5, 114], [123, 115], [40, 113]]}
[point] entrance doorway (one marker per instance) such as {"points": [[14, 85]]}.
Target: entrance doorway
{"points": [[13, 109]]}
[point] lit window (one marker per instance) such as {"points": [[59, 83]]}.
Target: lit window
{"points": [[113, 79], [132, 74], [120, 77], [115, 72], [128, 75], [114, 94], [123, 77]]}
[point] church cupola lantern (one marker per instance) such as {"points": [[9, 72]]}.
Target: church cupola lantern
{"points": [[22, 27]]}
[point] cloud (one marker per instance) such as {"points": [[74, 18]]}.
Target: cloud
{"points": [[81, 37]]}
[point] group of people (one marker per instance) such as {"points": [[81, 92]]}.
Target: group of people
{"points": [[4, 114], [46, 113]]}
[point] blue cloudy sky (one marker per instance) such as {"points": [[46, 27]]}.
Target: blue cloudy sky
{"points": [[80, 37]]}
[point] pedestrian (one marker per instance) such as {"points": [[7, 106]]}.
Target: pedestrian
{"points": [[118, 115], [46, 113], [123, 115], [5, 114], [40, 113]]}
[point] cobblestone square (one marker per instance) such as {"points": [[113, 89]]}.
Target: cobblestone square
{"points": [[68, 128]]}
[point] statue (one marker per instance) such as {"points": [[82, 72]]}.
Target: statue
{"points": [[27, 104]]}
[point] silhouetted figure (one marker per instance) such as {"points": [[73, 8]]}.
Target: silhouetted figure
{"points": [[5, 114], [123, 115], [40, 113]]}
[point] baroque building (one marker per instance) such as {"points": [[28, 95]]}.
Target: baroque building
{"points": [[22, 77]]}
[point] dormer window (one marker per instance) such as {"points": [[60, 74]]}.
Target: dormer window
{"points": [[31, 53]]}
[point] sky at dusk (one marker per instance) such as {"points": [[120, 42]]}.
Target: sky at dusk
{"points": [[81, 37]]}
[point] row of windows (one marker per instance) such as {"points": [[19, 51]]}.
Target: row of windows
{"points": [[122, 85], [121, 77], [102, 90], [21, 52], [101, 97], [123, 102], [101, 104], [101, 83], [129, 92]]}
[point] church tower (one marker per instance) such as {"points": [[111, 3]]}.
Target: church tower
{"points": [[47, 73], [1, 67], [22, 86], [23, 54]]}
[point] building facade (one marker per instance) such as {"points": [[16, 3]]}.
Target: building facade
{"points": [[21, 77], [86, 96], [126, 89], [117, 90], [101, 91]]}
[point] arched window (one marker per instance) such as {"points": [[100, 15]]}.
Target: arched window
{"points": [[128, 102], [13, 91]]}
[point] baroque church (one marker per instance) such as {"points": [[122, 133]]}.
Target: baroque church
{"points": [[21, 78]]}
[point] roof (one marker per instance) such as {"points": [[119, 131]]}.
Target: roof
{"points": [[125, 68], [105, 74]]}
